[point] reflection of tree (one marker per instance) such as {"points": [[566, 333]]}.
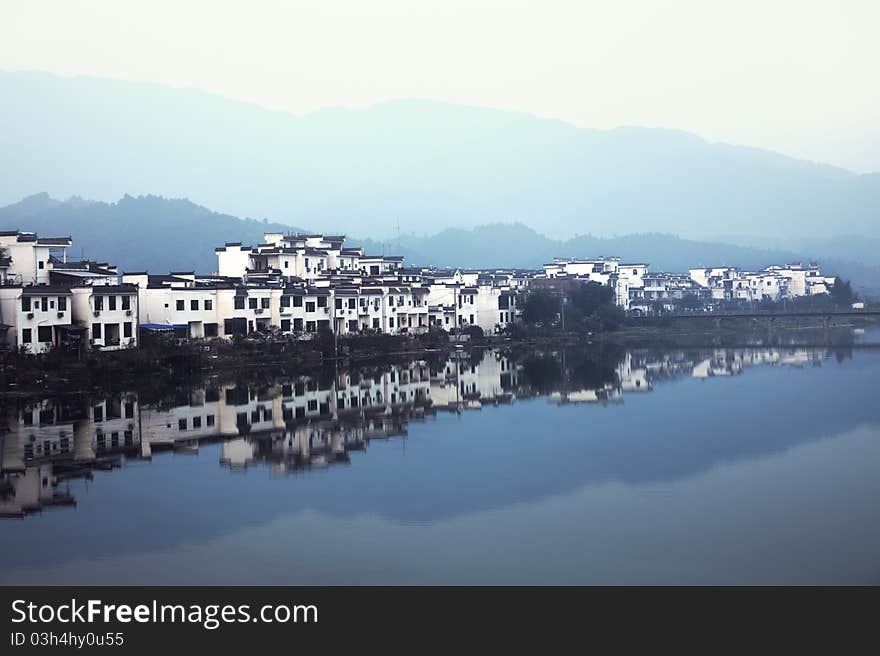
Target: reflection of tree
{"points": [[584, 368], [594, 368], [841, 354], [542, 372]]}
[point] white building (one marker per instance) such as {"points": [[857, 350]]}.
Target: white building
{"points": [[36, 318]]}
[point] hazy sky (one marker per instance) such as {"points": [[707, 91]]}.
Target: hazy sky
{"points": [[796, 76]]}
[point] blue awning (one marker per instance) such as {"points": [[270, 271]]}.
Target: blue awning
{"points": [[162, 326]]}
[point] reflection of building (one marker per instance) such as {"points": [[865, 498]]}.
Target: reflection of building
{"points": [[31, 490], [465, 383], [319, 420], [48, 443]]}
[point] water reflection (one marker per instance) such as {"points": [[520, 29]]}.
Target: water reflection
{"points": [[594, 465], [305, 422]]}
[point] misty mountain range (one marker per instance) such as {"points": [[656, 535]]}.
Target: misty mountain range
{"points": [[160, 235], [423, 166]]}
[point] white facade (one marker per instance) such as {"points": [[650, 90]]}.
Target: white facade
{"points": [[109, 313], [35, 316]]}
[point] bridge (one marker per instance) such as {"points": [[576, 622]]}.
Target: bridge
{"points": [[799, 314], [771, 317]]}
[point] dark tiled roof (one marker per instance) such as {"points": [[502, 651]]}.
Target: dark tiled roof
{"points": [[45, 290], [125, 288]]}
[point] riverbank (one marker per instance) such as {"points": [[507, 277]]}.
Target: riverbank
{"points": [[163, 366]]}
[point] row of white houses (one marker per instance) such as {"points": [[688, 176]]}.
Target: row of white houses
{"points": [[47, 301], [638, 289], [300, 284]]}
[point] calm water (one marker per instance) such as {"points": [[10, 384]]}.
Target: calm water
{"points": [[696, 466]]}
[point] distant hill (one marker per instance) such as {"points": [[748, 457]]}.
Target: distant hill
{"points": [[147, 232], [506, 245], [159, 234], [424, 166]]}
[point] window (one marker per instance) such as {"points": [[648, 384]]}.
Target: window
{"points": [[111, 302], [239, 302], [285, 325], [45, 305], [181, 424], [297, 301], [310, 326], [194, 305], [210, 330], [322, 301], [99, 303], [252, 303], [129, 410], [97, 413], [351, 304], [376, 323], [338, 304], [312, 405], [180, 305], [237, 326], [209, 304], [197, 422], [286, 264], [96, 331], [264, 303], [26, 336], [391, 322], [310, 306], [298, 325], [44, 334], [126, 329], [285, 301], [41, 264], [126, 302], [209, 420], [25, 303]]}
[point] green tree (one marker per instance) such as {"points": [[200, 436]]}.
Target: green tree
{"points": [[842, 293], [541, 307], [588, 297]]}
